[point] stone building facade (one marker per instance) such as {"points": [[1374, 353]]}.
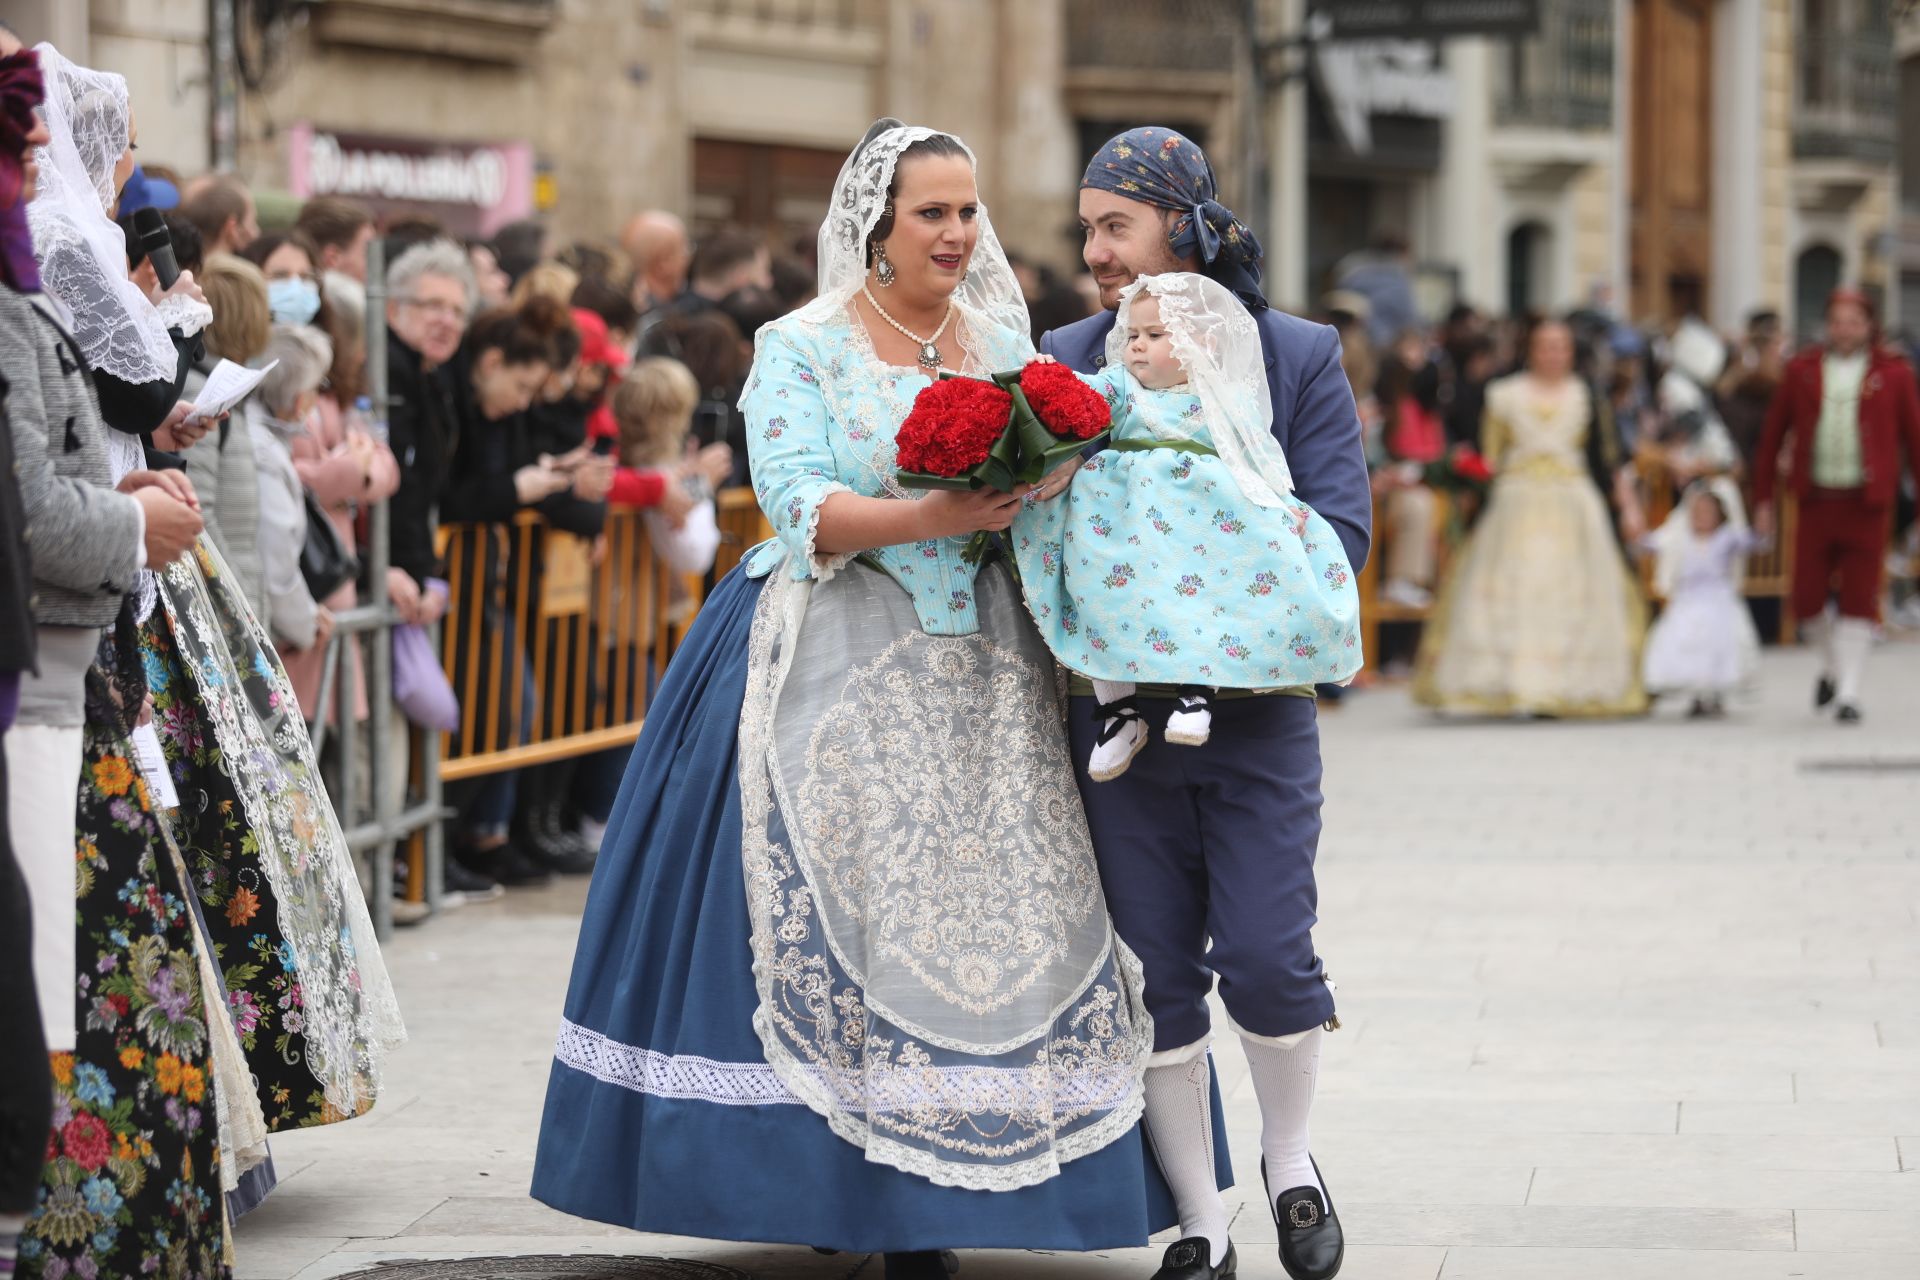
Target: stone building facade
{"points": [[1649, 156]]}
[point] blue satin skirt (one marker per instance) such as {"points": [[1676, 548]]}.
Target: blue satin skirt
{"points": [[661, 1112]]}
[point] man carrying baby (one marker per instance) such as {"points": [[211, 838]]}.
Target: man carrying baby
{"points": [[1215, 844]]}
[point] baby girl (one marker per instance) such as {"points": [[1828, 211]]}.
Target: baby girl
{"points": [[1179, 555]]}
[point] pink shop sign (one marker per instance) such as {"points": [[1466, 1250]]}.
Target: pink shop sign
{"points": [[474, 188]]}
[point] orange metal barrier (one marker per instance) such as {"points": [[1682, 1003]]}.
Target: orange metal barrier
{"points": [[553, 644], [742, 527]]}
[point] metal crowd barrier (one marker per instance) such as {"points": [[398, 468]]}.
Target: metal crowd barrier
{"points": [[552, 643], [742, 527], [373, 826]]}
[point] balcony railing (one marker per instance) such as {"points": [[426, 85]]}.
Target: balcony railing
{"points": [[499, 31], [803, 13], [1561, 78], [1154, 35], [1846, 94]]}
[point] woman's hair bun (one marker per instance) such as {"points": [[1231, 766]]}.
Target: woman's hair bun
{"points": [[875, 129], [544, 315]]}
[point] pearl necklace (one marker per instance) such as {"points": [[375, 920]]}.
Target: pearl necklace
{"points": [[930, 357]]}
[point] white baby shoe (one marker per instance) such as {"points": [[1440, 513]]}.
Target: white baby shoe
{"points": [[1191, 723], [1122, 735]]}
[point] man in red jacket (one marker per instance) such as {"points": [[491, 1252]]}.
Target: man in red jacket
{"points": [[1846, 410]]}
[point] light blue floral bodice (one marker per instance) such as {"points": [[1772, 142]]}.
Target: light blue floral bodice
{"points": [[822, 412], [1155, 566], [1142, 413]]}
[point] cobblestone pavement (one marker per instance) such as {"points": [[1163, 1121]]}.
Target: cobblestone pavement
{"points": [[1621, 1000]]}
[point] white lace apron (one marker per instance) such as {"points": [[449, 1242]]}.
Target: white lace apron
{"points": [[936, 969]]}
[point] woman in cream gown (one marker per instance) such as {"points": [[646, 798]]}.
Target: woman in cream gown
{"points": [[1540, 614]]}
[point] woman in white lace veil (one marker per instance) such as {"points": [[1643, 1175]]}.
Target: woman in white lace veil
{"points": [[129, 341], [988, 295], [82, 251], [846, 963], [308, 990]]}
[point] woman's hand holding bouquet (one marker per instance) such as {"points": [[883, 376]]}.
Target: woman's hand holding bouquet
{"points": [[992, 440]]}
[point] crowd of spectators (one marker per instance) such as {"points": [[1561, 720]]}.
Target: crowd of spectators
{"points": [[1683, 404]]}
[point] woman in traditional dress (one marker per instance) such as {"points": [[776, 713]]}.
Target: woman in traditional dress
{"points": [[846, 976], [133, 1176], [1540, 614], [308, 991]]}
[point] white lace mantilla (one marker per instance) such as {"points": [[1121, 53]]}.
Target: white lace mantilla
{"points": [[936, 971], [1217, 342]]}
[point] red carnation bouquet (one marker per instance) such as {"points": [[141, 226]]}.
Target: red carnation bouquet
{"points": [[1056, 414], [957, 437], [1463, 470], [969, 433]]}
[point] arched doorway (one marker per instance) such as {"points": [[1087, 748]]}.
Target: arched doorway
{"points": [[1529, 268], [1816, 273]]}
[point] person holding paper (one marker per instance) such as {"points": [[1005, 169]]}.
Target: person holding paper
{"points": [[226, 692], [88, 544]]}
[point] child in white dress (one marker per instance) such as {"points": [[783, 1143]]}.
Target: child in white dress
{"points": [[1704, 645]]}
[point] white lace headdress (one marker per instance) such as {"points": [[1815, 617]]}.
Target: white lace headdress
{"points": [[990, 292], [81, 250], [1217, 342]]}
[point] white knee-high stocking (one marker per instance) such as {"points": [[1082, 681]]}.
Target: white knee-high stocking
{"points": [[1284, 1073], [1823, 633], [1852, 640], [1180, 1128]]}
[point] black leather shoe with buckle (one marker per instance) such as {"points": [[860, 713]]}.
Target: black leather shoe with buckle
{"points": [[1312, 1246], [1190, 1259]]}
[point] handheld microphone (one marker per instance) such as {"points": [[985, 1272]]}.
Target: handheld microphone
{"points": [[151, 227]]}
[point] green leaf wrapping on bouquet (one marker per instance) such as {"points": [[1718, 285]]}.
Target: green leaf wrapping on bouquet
{"points": [[1040, 450], [999, 471]]}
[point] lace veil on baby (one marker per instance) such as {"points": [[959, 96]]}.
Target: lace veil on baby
{"points": [[81, 250], [1217, 342]]}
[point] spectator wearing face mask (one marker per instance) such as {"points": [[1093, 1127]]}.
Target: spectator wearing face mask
{"points": [[291, 264]]}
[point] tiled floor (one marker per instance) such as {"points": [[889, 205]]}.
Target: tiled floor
{"points": [[1622, 1002]]}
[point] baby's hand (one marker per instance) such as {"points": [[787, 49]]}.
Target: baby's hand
{"points": [[1299, 515]]}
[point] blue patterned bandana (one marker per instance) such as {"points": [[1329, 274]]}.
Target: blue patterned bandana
{"points": [[1162, 168]]}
